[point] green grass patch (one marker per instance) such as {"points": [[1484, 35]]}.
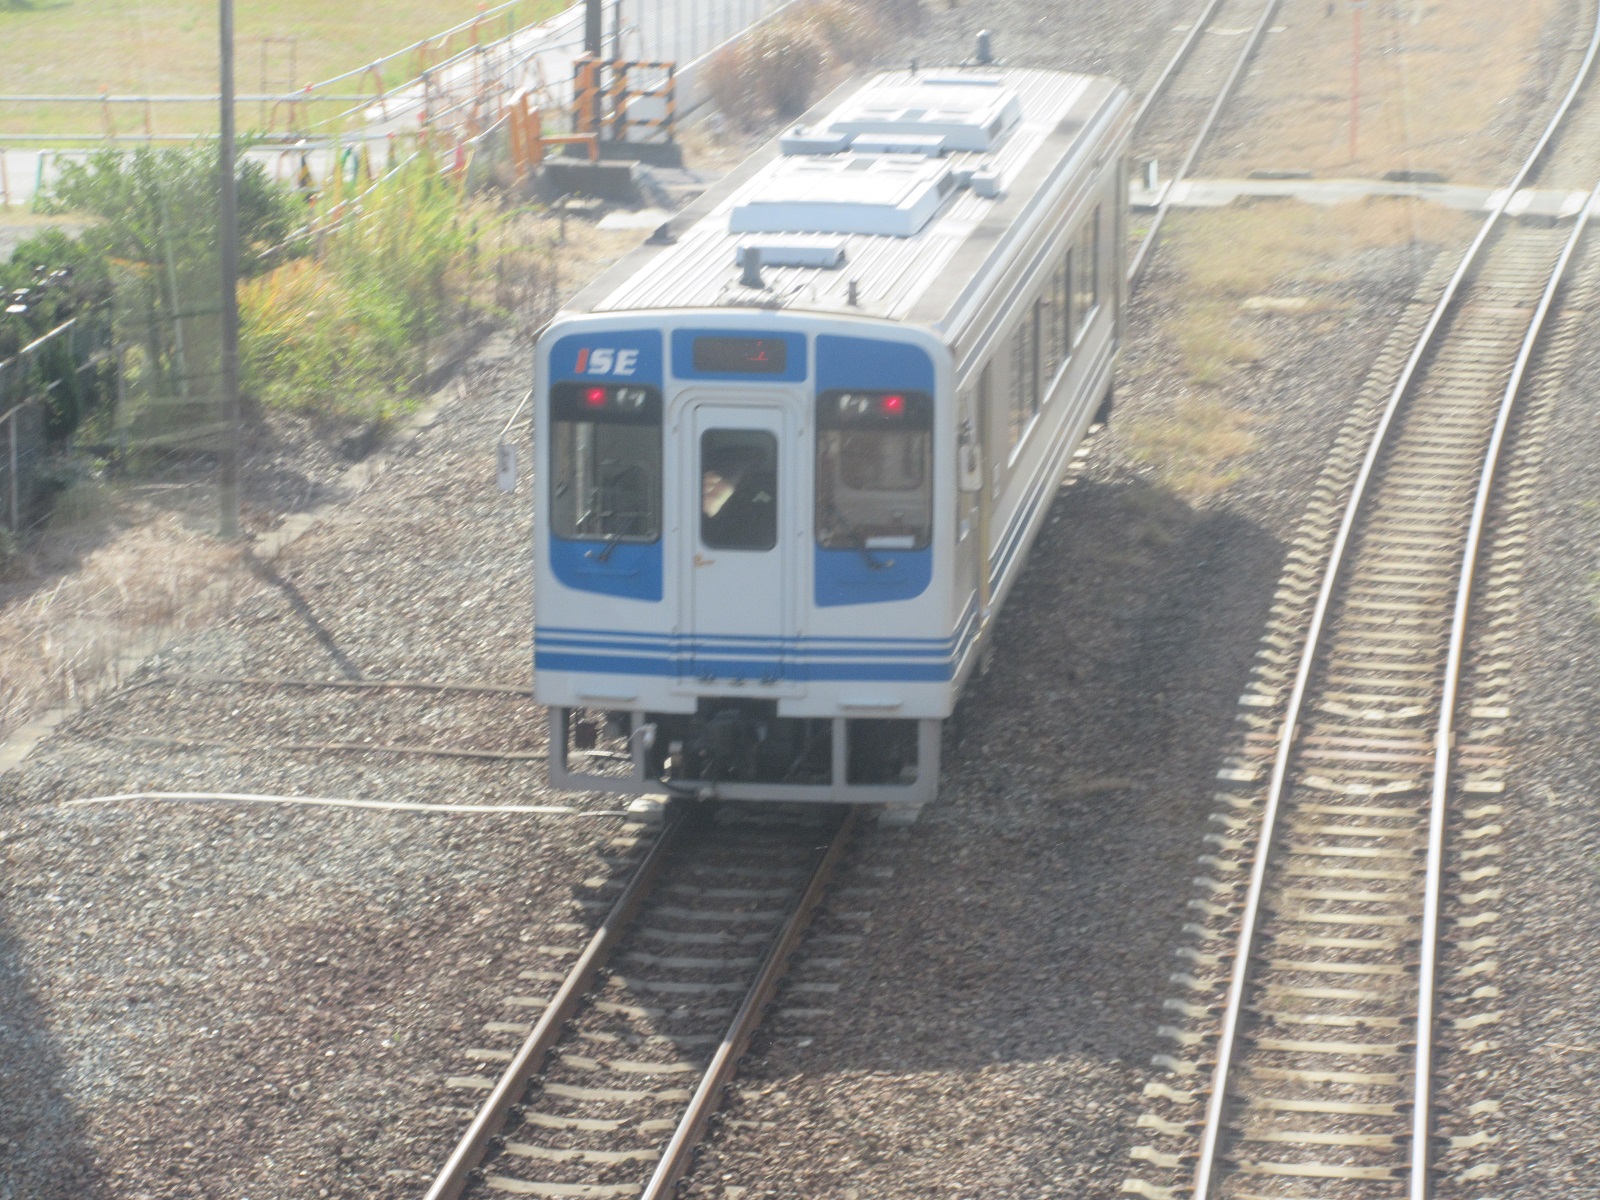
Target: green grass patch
{"points": [[146, 47], [341, 305]]}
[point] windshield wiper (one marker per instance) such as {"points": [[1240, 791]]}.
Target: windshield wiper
{"points": [[602, 554], [838, 520]]}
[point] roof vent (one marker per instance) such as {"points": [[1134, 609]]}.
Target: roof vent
{"points": [[892, 195], [898, 143], [985, 182], [826, 256], [961, 79], [965, 116], [801, 140]]}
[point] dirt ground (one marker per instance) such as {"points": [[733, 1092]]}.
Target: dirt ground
{"points": [[1438, 87]]}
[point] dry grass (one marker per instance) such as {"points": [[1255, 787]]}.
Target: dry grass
{"points": [[1240, 262], [1433, 77], [1193, 447], [1213, 340], [111, 575], [112, 572], [1249, 249]]}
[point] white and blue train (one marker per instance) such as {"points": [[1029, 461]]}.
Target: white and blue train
{"points": [[793, 450]]}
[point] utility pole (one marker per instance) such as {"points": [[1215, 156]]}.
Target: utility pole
{"points": [[228, 251], [1355, 72], [594, 36]]}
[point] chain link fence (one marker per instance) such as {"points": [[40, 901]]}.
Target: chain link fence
{"points": [[46, 387]]}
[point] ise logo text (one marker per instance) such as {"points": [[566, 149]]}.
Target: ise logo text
{"points": [[603, 360]]}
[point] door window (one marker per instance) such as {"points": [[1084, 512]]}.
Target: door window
{"points": [[738, 489]]}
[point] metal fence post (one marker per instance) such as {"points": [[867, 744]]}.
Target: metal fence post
{"points": [[11, 426]]}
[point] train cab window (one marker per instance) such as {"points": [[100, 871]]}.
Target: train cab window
{"points": [[738, 489], [605, 463], [874, 470]]}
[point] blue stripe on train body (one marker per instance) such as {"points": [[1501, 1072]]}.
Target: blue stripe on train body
{"points": [[798, 660], [850, 576], [631, 570]]}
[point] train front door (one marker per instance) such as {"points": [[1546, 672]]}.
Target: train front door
{"points": [[743, 520]]}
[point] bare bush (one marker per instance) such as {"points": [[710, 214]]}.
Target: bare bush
{"points": [[787, 58], [775, 71], [731, 87], [849, 30], [901, 14]]}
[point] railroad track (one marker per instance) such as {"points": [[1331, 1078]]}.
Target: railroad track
{"points": [[609, 1090], [1179, 112], [1308, 1037]]}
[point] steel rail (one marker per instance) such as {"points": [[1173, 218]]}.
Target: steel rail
{"points": [[1177, 60], [465, 1159], [679, 1154], [1422, 1124], [1136, 269], [1205, 1168]]}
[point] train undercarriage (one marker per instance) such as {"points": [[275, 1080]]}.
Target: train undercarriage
{"points": [[741, 749]]}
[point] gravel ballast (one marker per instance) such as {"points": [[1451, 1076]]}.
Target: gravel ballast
{"points": [[266, 1002]]}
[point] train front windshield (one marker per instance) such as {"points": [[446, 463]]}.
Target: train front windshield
{"points": [[605, 463], [874, 470]]}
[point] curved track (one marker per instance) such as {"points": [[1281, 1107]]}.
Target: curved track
{"points": [[609, 1093], [1322, 1076]]}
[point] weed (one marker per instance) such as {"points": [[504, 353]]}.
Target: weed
{"points": [[1212, 343], [1191, 445], [159, 247], [1248, 249], [347, 331]]}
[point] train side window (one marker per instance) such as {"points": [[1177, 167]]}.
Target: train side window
{"points": [[605, 463], [1027, 377], [1060, 316], [1068, 316], [988, 436], [738, 489], [1086, 275], [874, 471]]}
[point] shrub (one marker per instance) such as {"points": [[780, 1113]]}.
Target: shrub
{"points": [[773, 72], [906, 14], [787, 58], [156, 235], [849, 31], [346, 332]]}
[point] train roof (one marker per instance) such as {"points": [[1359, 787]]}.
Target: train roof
{"points": [[897, 198]]}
